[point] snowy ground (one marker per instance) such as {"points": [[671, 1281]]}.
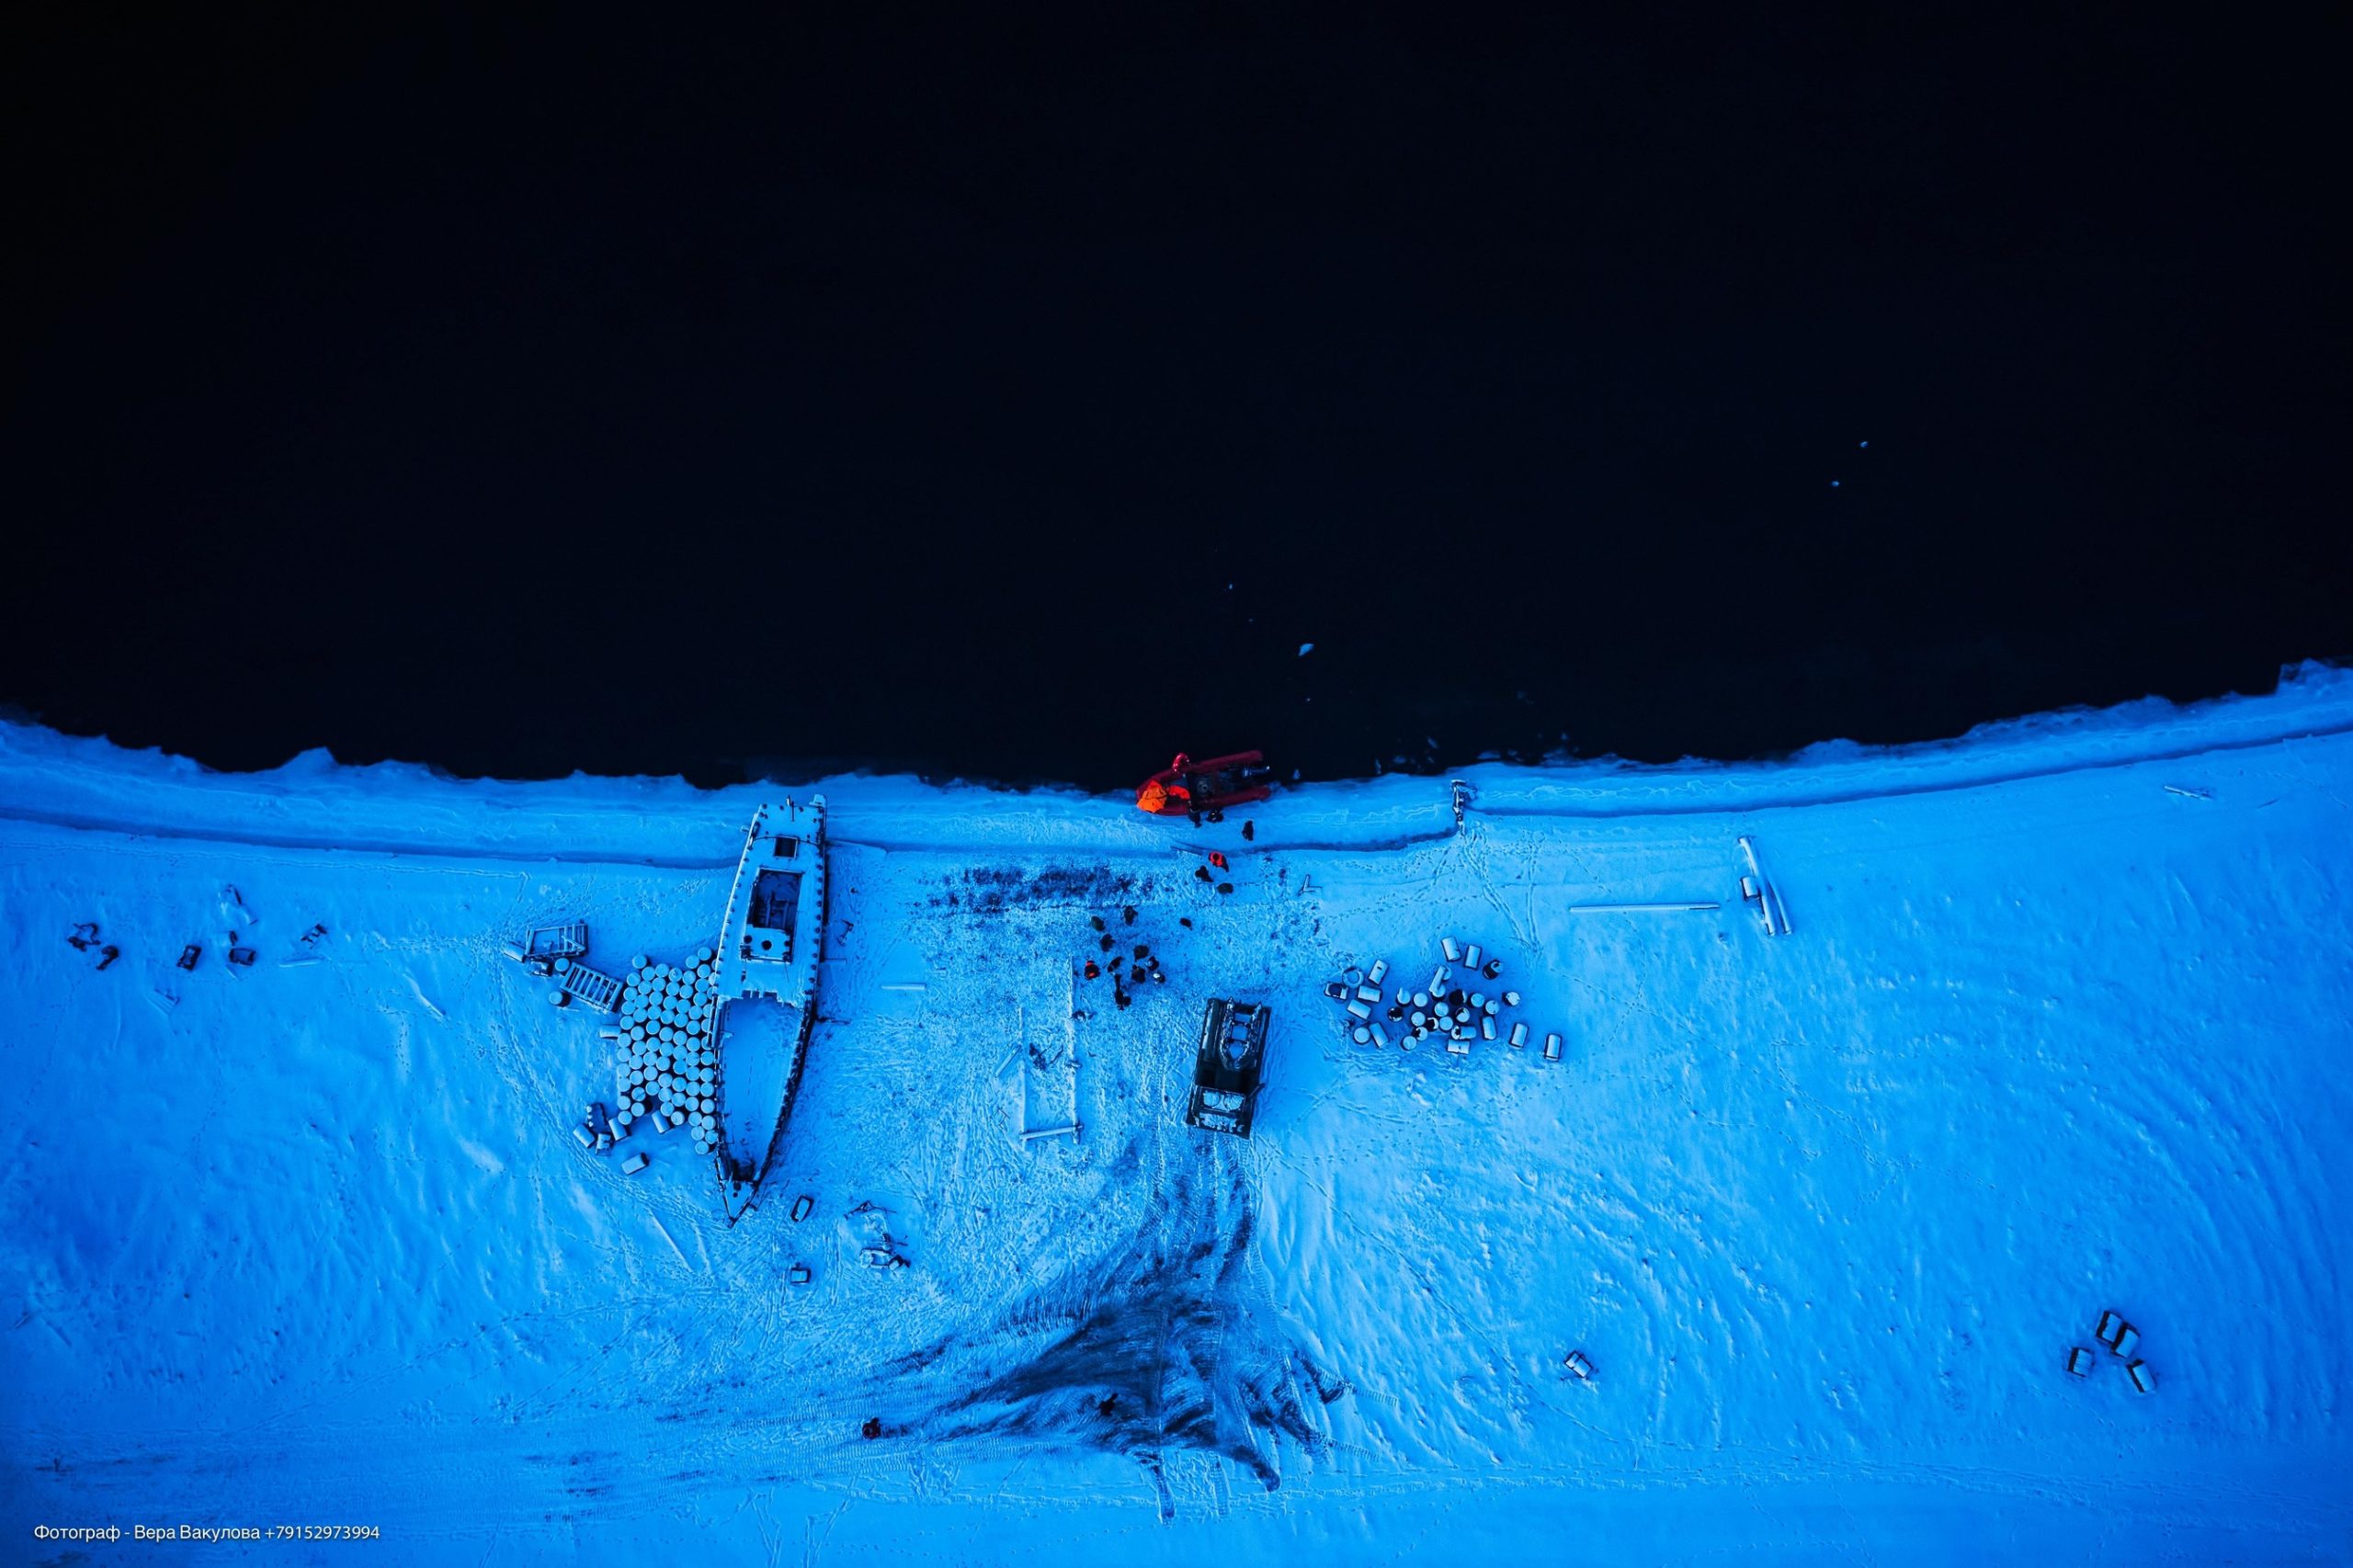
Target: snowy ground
{"points": [[2062, 1026]]}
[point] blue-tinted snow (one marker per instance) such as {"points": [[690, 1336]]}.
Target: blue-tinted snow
{"points": [[313, 1243]]}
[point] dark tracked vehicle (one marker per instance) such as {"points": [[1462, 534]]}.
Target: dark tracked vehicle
{"points": [[1228, 1067]]}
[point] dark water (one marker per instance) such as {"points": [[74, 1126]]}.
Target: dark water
{"points": [[1014, 397]]}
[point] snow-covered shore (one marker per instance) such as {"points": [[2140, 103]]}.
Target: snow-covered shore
{"points": [[2062, 1026]]}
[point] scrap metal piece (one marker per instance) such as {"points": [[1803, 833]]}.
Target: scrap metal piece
{"points": [[551, 942]]}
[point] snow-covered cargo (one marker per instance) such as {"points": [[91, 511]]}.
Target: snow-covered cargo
{"points": [[2144, 1380], [2080, 1361]]}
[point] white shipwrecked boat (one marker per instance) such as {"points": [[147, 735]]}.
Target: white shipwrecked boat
{"points": [[769, 949]]}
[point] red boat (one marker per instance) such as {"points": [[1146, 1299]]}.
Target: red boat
{"points": [[1190, 788]]}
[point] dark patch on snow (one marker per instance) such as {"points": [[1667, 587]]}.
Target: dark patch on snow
{"points": [[1172, 1344], [990, 890]]}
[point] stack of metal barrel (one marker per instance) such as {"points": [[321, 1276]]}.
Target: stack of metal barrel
{"points": [[666, 1068]]}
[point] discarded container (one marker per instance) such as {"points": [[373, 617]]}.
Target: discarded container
{"points": [[515, 952], [2111, 1324], [1578, 1366], [635, 1163], [1471, 957], [1420, 999], [1335, 991], [2142, 1378], [1361, 1035], [559, 998], [1552, 1048], [1518, 1035], [1446, 944], [1486, 1029], [1380, 1036], [1359, 1010], [2080, 1362], [588, 1139], [1438, 981], [1380, 969], [1478, 1002], [1352, 977], [799, 1275], [1458, 1045], [800, 1207], [1511, 998], [1495, 1005], [2127, 1340], [1491, 969], [1367, 994], [1420, 1021]]}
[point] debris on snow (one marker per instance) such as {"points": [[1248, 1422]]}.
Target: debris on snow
{"points": [[553, 942], [1758, 889]]}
